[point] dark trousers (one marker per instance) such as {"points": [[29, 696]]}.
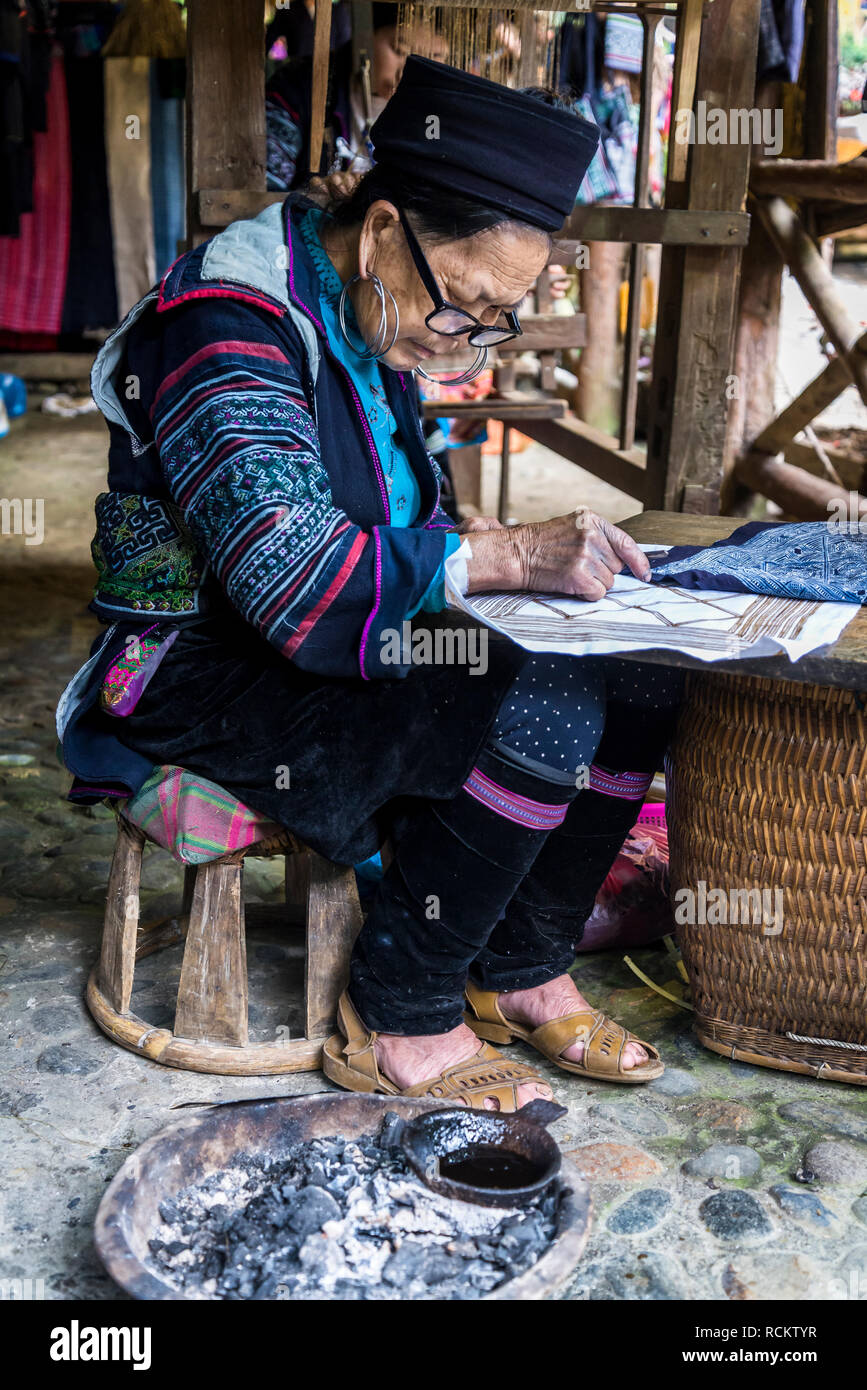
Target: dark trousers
{"points": [[475, 887]]}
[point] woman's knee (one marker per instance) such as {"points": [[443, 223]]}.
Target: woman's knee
{"points": [[554, 713]]}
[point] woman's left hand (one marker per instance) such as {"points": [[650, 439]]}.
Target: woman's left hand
{"points": [[479, 523]]}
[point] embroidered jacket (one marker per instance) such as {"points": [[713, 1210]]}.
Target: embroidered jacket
{"points": [[241, 462]]}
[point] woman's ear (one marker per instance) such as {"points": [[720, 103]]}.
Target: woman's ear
{"points": [[379, 218]]}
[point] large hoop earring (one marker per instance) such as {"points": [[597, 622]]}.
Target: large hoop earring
{"points": [[378, 349], [469, 375]]}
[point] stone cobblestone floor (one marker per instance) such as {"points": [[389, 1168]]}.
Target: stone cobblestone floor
{"points": [[698, 1179]]}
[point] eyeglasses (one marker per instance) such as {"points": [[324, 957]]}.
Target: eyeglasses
{"points": [[448, 319]]}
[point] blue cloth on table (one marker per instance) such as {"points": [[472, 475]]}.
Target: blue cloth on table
{"points": [[806, 560]]}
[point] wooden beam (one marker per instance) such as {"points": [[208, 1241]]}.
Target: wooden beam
{"points": [[695, 328], [807, 265], [797, 492], [592, 450], [852, 472], [816, 396], [217, 207], [665, 226], [810, 178], [225, 103], [516, 411], [548, 333], [838, 218]]}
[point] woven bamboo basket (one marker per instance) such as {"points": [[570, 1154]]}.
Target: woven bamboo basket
{"points": [[768, 792]]}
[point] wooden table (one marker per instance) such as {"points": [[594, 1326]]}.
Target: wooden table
{"points": [[767, 795], [843, 665]]}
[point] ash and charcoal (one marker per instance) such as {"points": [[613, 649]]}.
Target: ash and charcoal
{"points": [[340, 1219]]}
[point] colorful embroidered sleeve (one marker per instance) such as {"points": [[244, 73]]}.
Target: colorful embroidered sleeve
{"points": [[240, 454]]}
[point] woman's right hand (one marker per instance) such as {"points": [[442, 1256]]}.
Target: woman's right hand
{"points": [[578, 554]]}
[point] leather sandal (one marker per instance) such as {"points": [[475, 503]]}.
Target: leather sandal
{"points": [[348, 1059], [604, 1040]]}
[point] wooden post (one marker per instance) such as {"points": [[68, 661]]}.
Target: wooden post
{"points": [[505, 462], [757, 337], [598, 396], [466, 470], [225, 101], [334, 920], [820, 63], [698, 289], [212, 992], [686, 58], [629, 393], [118, 955], [321, 56]]}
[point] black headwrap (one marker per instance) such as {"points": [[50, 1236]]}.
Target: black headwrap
{"points": [[505, 148]]}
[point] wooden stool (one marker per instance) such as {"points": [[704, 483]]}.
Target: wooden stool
{"points": [[210, 1028]]}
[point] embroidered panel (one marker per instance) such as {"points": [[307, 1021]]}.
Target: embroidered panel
{"points": [[144, 554]]}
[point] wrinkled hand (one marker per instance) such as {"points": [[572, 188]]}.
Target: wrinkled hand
{"points": [[578, 554], [339, 185]]}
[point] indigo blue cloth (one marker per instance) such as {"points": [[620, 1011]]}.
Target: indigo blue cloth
{"points": [[806, 559]]}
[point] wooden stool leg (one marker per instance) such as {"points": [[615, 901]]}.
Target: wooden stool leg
{"points": [[333, 921], [189, 890], [117, 957], [212, 995], [297, 880]]}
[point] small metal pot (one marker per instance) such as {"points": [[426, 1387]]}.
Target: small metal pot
{"points": [[495, 1160]]}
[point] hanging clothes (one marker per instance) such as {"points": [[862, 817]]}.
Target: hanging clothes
{"points": [[91, 295], [33, 265], [781, 40], [25, 73]]}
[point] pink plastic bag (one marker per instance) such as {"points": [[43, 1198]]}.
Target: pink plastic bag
{"points": [[632, 906]]}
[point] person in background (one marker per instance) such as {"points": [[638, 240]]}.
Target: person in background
{"points": [[349, 112]]}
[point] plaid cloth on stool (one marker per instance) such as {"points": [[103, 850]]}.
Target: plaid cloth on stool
{"points": [[194, 819]]}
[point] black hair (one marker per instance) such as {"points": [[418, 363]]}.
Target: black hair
{"points": [[384, 16], [436, 214]]}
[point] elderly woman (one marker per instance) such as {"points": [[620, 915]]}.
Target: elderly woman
{"points": [[272, 519]]}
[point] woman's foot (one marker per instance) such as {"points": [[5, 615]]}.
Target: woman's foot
{"points": [[409, 1061], [555, 999]]}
